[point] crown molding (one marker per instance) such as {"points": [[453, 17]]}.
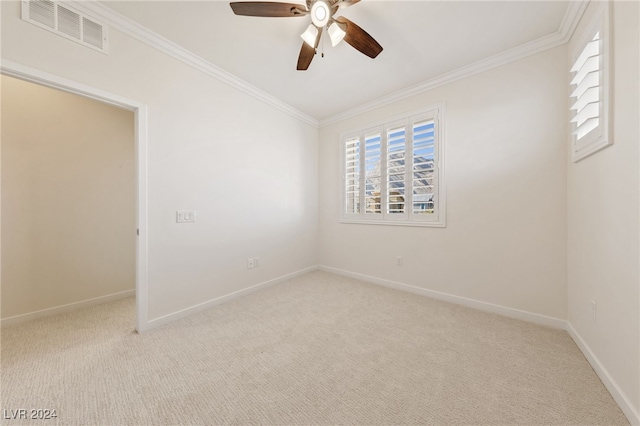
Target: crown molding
{"points": [[572, 16], [133, 29]]}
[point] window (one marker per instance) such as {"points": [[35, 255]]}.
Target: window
{"points": [[590, 87], [392, 172]]}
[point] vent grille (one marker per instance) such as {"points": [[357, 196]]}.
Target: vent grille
{"points": [[66, 22], [42, 12], [93, 33]]}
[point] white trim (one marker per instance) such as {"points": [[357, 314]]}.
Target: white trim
{"points": [[140, 110], [438, 224], [183, 313], [623, 401], [458, 300], [571, 19], [574, 12], [135, 30], [18, 319], [142, 240], [43, 78]]}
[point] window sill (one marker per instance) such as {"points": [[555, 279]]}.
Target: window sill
{"points": [[438, 224]]}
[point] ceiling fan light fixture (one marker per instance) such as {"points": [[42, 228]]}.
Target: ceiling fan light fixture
{"points": [[309, 35], [322, 16], [336, 33], [320, 13]]}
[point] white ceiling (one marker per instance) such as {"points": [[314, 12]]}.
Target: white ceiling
{"points": [[421, 40]]}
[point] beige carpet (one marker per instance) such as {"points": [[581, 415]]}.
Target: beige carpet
{"points": [[319, 349]]}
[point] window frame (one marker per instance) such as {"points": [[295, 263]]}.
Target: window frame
{"points": [[600, 137], [406, 218]]}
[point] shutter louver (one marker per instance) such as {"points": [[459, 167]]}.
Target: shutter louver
{"points": [[396, 168], [373, 176], [423, 173], [352, 175], [586, 95]]}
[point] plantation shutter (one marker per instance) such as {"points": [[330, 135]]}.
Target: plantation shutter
{"points": [[373, 172], [396, 171], [423, 173], [392, 173], [590, 85], [586, 95], [352, 175]]}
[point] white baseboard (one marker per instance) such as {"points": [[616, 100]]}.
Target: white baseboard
{"points": [[166, 319], [17, 319], [472, 303], [623, 402]]}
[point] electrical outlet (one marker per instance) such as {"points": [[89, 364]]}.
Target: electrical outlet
{"points": [[593, 310], [256, 262], [250, 263], [398, 260]]}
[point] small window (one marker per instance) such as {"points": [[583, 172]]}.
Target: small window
{"points": [[590, 88], [392, 172]]}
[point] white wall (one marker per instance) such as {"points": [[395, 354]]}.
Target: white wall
{"points": [[68, 198], [248, 169], [603, 223], [505, 240]]}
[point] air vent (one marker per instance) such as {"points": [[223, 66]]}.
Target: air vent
{"points": [[67, 22]]}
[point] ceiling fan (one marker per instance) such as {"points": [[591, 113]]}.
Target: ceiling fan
{"points": [[321, 12]]}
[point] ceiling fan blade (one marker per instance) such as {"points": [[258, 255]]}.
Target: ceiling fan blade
{"points": [[360, 39], [306, 56], [344, 3], [307, 53], [268, 9]]}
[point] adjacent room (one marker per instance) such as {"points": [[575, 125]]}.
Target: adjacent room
{"points": [[68, 196], [320, 212]]}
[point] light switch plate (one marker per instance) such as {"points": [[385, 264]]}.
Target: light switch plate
{"points": [[184, 216]]}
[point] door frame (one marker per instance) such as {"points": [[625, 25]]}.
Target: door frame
{"points": [[139, 109]]}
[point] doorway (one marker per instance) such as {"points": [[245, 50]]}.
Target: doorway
{"points": [[74, 232]]}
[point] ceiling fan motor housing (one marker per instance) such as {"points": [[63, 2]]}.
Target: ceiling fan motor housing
{"points": [[320, 13]]}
